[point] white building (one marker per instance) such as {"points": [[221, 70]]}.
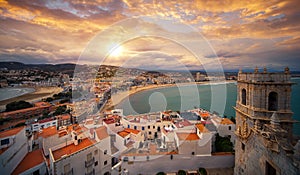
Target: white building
{"points": [[14, 147], [45, 123]]}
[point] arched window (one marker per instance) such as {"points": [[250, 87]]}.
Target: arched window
{"points": [[244, 96], [273, 101]]}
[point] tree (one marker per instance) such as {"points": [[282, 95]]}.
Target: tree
{"points": [[223, 144], [181, 172], [202, 171], [16, 105], [160, 173], [60, 110], [232, 119]]}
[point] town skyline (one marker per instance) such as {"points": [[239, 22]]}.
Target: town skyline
{"points": [[239, 34]]}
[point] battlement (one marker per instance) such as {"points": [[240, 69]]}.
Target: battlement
{"points": [[256, 76]]}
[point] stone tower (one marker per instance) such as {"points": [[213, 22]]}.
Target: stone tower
{"points": [[264, 124]]}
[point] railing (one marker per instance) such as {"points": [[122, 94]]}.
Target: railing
{"points": [[89, 162], [70, 172]]}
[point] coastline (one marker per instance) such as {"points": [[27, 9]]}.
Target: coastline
{"points": [[121, 96], [38, 94]]}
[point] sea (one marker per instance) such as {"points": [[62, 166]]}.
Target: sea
{"points": [[11, 92], [215, 97]]}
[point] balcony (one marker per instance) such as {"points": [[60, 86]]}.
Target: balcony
{"points": [[70, 172], [89, 163]]}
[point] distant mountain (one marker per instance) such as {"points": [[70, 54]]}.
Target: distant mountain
{"points": [[64, 68]]}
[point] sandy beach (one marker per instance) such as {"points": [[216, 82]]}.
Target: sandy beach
{"points": [[120, 96], [38, 94]]}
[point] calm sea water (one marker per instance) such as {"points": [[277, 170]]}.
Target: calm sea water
{"points": [[7, 93], [218, 98]]}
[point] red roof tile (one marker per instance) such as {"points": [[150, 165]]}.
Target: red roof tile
{"points": [[201, 128], [226, 121], [70, 149], [47, 132], [11, 132], [187, 136], [31, 160]]}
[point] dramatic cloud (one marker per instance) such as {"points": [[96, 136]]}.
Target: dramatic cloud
{"points": [[236, 33]]}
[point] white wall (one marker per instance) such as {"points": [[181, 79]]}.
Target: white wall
{"points": [[14, 154]]}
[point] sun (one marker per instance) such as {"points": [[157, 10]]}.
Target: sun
{"points": [[117, 51]]}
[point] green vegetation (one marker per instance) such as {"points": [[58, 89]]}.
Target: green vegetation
{"points": [[202, 171], [160, 173], [223, 144], [181, 172], [61, 110], [17, 105], [232, 119]]}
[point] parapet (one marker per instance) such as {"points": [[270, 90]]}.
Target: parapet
{"points": [[265, 76]]}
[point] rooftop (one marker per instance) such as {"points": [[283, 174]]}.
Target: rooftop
{"points": [[31, 160], [71, 149], [63, 117], [187, 136], [202, 128], [11, 132], [47, 132], [101, 132], [127, 131], [226, 121]]}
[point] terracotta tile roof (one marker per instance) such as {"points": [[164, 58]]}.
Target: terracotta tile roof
{"points": [[46, 120], [11, 132], [123, 133], [201, 128], [101, 132], [31, 160], [187, 136], [70, 149], [226, 121], [134, 131], [63, 117], [41, 103], [204, 114], [47, 132]]}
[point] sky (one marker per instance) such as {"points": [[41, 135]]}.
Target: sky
{"points": [[230, 34]]}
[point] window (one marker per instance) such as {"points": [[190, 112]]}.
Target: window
{"points": [[67, 168], [273, 101], [143, 128], [105, 162], [150, 133], [105, 151], [128, 126], [270, 170], [153, 127], [96, 152], [5, 141], [229, 127], [89, 156], [244, 96], [149, 127], [96, 163], [135, 127], [243, 147]]}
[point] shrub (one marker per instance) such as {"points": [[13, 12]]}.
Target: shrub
{"points": [[202, 171], [181, 172]]}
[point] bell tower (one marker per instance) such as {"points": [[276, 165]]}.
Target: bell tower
{"points": [[264, 122]]}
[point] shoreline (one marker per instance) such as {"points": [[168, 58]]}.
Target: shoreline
{"points": [[38, 94], [121, 96]]}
